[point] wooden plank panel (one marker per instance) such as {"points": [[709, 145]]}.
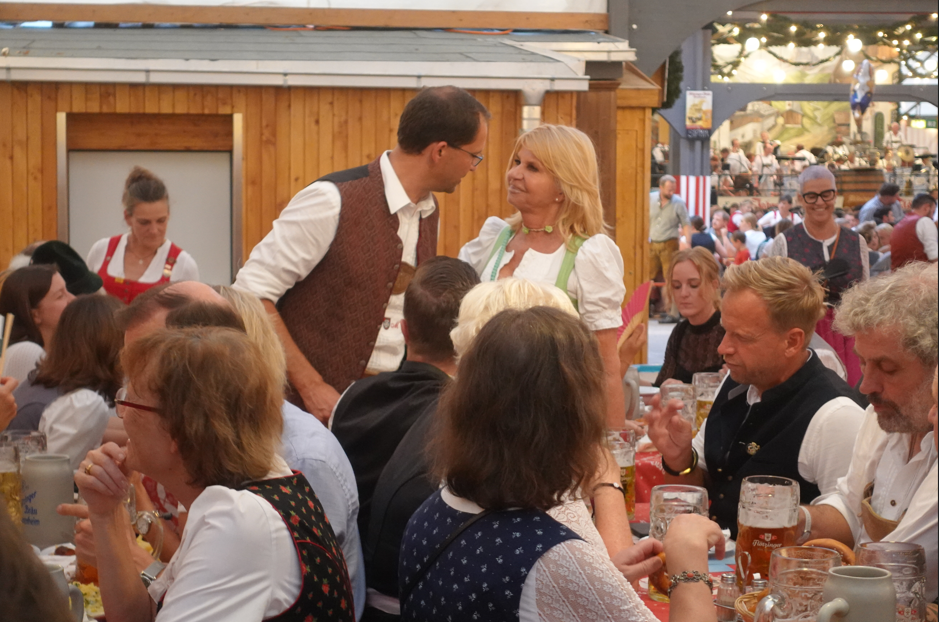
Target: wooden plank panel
{"points": [[34, 159], [237, 102], [479, 207], [225, 99], [137, 98], [122, 97], [166, 98], [382, 120], [194, 93], [63, 97], [494, 166], [210, 99], [79, 101], [49, 180], [92, 97], [369, 123], [284, 137], [311, 134], [268, 121], [369, 18], [108, 98], [7, 245], [156, 132], [355, 129], [20, 155], [151, 102], [296, 135], [180, 99], [326, 132], [399, 98], [248, 101], [341, 129]]}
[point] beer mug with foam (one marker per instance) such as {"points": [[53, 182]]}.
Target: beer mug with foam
{"points": [[797, 578], [767, 518]]}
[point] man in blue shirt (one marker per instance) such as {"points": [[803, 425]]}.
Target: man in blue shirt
{"points": [[888, 196]]}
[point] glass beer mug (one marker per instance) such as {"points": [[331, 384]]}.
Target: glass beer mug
{"points": [[705, 385], [767, 519], [666, 503], [623, 447], [797, 578]]}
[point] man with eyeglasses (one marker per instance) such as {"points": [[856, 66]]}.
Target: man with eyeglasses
{"points": [[821, 244], [333, 271]]}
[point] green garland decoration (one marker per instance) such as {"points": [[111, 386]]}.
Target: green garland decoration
{"points": [[676, 73], [909, 39]]}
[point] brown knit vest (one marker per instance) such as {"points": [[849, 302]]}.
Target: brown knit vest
{"points": [[905, 245], [335, 313]]}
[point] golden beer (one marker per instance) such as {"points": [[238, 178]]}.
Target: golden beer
{"points": [[702, 412], [755, 546], [627, 477], [10, 489], [658, 581]]}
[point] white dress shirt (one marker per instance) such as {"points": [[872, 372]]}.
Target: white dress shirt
{"points": [[771, 219], [21, 359], [739, 163], [903, 487], [826, 447], [596, 282], [810, 160], [754, 239], [75, 423], [301, 237], [236, 560], [928, 236], [185, 268]]}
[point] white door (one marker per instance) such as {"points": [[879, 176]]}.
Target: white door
{"points": [[199, 186]]}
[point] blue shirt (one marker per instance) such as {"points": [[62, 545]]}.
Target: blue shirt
{"points": [[868, 209], [309, 447]]}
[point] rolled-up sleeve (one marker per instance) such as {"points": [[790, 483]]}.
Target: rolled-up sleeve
{"points": [[597, 283], [298, 241]]}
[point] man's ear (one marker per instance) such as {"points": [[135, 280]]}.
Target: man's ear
{"points": [[795, 341], [436, 151]]}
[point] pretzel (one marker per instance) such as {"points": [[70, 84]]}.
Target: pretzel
{"points": [[847, 555]]}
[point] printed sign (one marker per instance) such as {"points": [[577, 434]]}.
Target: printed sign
{"points": [[698, 108]]}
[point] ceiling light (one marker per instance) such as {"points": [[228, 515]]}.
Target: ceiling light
{"points": [[752, 44], [779, 75], [764, 17], [847, 65], [855, 45]]}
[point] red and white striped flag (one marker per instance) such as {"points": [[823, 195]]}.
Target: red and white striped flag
{"points": [[696, 191]]}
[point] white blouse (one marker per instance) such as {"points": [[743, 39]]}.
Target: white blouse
{"points": [[21, 359], [575, 580], [184, 270], [74, 424], [596, 282], [236, 560]]}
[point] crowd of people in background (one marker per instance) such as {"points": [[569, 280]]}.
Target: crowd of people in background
{"points": [[314, 437]]}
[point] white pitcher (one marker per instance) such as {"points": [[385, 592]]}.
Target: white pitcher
{"points": [[859, 594], [47, 482], [74, 595]]}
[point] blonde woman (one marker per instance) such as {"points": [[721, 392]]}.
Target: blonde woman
{"points": [[556, 237]]}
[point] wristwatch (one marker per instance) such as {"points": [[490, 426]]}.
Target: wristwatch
{"points": [[151, 572], [145, 520], [807, 529]]}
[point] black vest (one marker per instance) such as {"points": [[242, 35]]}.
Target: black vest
{"points": [[768, 441]]}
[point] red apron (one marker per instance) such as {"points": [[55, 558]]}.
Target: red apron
{"points": [[128, 290]]}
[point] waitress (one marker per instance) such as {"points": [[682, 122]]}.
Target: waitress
{"points": [[132, 263]]}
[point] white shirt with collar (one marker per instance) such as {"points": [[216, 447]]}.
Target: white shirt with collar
{"points": [[904, 490], [739, 163], [301, 237], [826, 447]]}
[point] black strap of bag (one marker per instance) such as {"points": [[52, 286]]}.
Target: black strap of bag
{"points": [[425, 567]]}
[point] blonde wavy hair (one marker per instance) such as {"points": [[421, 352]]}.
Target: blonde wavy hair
{"points": [[793, 294], [258, 327], [569, 156], [488, 299], [905, 302], [707, 269]]}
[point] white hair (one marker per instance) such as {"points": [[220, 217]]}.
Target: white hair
{"points": [[666, 178], [816, 172], [490, 298]]}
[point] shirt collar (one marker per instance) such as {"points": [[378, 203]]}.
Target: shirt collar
{"points": [[395, 195]]}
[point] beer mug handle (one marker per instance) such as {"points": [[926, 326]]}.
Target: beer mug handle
{"points": [[838, 607], [766, 608], [77, 602]]}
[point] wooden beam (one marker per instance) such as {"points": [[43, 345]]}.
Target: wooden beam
{"points": [[372, 18], [149, 132]]}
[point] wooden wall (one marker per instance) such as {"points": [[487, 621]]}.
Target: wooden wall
{"points": [[291, 137]]}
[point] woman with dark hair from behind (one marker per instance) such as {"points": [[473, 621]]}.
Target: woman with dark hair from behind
{"points": [[36, 296], [517, 433], [26, 590], [70, 396]]}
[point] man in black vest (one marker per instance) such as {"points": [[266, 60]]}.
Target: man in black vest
{"points": [[375, 413], [781, 412]]}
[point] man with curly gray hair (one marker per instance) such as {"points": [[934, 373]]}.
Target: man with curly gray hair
{"points": [[890, 490]]}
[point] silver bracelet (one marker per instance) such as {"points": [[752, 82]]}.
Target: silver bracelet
{"points": [[690, 576]]}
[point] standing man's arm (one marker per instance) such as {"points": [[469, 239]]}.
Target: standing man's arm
{"points": [[929, 237], [298, 241], [682, 212]]}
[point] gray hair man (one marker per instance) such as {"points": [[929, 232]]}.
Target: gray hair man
{"points": [[889, 492], [668, 220]]}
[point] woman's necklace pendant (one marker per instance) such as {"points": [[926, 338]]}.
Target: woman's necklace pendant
{"points": [[545, 229]]}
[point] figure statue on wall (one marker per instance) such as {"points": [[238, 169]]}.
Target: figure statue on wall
{"points": [[862, 90]]}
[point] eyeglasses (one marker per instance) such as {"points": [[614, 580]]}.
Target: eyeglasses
{"points": [[477, 159], [122, 403], [813, 197]]}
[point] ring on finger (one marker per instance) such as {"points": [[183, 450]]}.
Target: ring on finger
{"points": [[88, 468]]}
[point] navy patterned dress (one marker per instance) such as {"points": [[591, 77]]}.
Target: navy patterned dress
{"points": [[479, 577]]}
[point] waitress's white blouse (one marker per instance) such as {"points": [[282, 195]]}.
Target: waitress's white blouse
{"points": [[184, 270], [596, 282]]}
